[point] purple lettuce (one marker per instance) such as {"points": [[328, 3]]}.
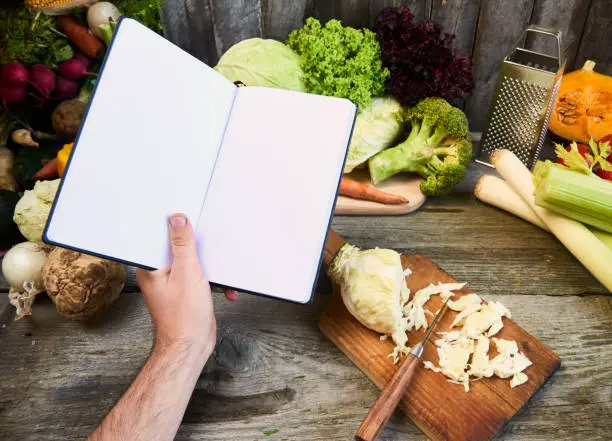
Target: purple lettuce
{"points": [[420, 58]]}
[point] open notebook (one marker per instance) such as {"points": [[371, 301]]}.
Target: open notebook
{"points": [[255, 169]]}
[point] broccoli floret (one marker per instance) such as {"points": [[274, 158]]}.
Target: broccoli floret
{"points": [[438, 148]]}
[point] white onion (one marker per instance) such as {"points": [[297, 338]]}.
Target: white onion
{"points": [[23, 264], [99, 14]]}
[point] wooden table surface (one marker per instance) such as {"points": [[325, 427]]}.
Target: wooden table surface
{"points": [[272, 367]]}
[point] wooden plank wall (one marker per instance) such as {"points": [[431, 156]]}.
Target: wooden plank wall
{"points": [[486, 29]]}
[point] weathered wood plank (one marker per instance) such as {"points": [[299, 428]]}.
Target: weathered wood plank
{"points": [[567, 15], [500, 24], [189, 25], [353, 13], [595, 44], [420, 8], [273, 368], [234, 21], [280, 17], [459, 18]]}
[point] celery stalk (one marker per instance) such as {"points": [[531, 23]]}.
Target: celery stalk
{"points": [[580, 197]]}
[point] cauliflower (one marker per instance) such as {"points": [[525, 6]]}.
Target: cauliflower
{"points": [[32, 210]]}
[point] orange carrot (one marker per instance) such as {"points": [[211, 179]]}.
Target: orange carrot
{"points": [[48, 171], [354, 189], [80, 36]]}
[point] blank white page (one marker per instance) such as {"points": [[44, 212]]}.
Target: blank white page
{"points": [[147, 149], [268, 209]]}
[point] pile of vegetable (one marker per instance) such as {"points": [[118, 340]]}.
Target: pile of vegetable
{"points": [[565, 198], [49, 61], [392, 75]]}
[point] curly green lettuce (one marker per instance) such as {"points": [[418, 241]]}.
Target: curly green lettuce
{"points": [[340, 61]]}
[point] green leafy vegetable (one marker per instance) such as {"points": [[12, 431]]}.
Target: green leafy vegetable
{"points": [[260, 62], [271, 432], [147, 12], [438, 148], [377, 127], [586, 199], [340, 61], [31, 39]]}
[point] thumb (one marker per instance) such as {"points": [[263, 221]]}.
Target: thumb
{"points": [[182, 241]]}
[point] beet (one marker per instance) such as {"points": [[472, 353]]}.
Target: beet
{"points": [[65, 88], [43, 79], [14, 75], [83, 59], [13, 95]]}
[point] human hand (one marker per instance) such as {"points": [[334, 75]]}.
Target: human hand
{"points": [[179, 297]]}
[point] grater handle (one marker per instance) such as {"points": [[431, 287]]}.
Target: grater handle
{"points": [[545, 30]]}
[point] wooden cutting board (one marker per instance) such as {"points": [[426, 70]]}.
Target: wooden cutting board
{"points": [[404, 184], [442, 410]]}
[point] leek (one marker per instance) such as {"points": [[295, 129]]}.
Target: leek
{"points": [[584, 198]]}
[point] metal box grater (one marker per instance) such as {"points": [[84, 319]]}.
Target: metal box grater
{"points": [[522, 103]]}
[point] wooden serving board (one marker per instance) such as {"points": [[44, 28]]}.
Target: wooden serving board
{"points": [[442, 410], [404, 184]]}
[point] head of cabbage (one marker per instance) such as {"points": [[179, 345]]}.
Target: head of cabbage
{"points": [[262, 62], [373, 288], [377, 127]]}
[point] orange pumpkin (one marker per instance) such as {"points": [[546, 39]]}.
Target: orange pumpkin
{"points": [[583, 108]]}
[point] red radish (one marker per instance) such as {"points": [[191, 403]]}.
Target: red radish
{"points": [[604, 174], [83, 59], [582, 149], [14, 75], [13, 95], [608, 139], [65, 89], [43, 79], [73, 69]]}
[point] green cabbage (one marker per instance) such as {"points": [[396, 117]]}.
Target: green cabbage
{"points": [[32, 210], [373, 288], [377, 127], [260, 62]]}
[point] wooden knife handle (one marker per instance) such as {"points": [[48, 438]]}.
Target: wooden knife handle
{"points": [[332, 246], [387, 401]]}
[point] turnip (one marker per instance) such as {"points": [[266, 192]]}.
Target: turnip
{"points": [[83, 59], [102, 17], [14, 75], [12, 95], [65, 88], [43, 79], [73, 69], [22, 269]]}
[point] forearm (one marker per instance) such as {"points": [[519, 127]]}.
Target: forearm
{"points": [[153, 406]]}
